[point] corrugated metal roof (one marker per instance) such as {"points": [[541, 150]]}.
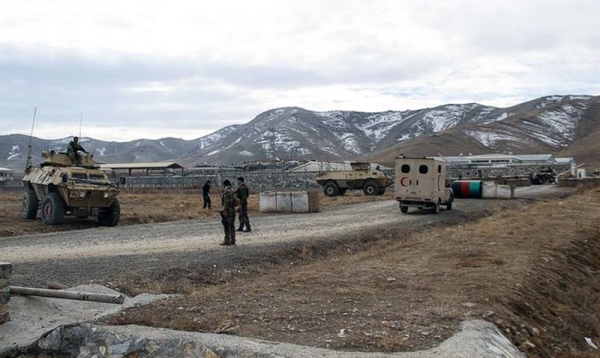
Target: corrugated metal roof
{"points": [[6, 170], [494, 156], [536, 157], [524, 158], [566, 160], [159, 165]]}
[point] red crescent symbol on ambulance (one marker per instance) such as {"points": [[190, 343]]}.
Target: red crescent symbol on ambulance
{"points": [[402, 181]]}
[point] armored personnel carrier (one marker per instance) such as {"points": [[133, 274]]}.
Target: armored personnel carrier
{"points": [[67, 189], [361, 177]]}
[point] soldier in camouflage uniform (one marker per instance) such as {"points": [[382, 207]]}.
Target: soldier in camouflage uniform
{"points": [[228, 213], [72, 151], [242, 194]]}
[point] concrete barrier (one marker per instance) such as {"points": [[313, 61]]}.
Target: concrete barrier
{"points": [[505, 192], [284, 201], [5, 273], [289, 201], [491, 190], [268, 201]]}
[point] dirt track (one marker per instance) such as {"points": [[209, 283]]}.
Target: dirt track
{"points": [[94, 254]]}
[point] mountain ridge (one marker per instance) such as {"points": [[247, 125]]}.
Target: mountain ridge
{"points": [[549, 124]]}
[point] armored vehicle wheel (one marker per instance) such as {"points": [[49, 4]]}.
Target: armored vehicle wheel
{"points": [[381, 191], [403, 209], [371, 187], [53, 209], [29, 206], [343, 191], [110, 216], [331, 189]]}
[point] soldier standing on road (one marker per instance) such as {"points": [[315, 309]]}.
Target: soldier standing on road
{"points": [[228, 213], [206, 195], [242, 194], [73, 149]]}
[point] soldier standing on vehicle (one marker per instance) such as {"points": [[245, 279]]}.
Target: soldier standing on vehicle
{"points": [[206, 195], [228, 202], [73, 151], [242, 194]]}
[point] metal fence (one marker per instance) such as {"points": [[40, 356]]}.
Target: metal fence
{"points": [[257, 181]]}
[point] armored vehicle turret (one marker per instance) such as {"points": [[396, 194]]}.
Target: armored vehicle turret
{"points": [[65, 188]]}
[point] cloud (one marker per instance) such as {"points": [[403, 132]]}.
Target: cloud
{"points": [[169, 68]]}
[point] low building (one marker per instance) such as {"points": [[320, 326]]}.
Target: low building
{"points": [[127, 169], [6, 174], [506, 165]]}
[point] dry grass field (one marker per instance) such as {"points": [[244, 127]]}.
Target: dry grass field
{"points": [[530, 269], [533, 271]]}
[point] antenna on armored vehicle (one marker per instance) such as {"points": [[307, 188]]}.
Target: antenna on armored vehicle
{"points": [[80, 124], [29, 148]]}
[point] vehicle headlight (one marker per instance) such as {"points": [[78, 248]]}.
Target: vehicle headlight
{"points": [[77, 194]]}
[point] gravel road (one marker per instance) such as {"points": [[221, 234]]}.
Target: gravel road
{"points": [[78, 257]]}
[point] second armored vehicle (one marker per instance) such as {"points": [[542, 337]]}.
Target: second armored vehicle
{"points": [[361, 177], [66, 189]]}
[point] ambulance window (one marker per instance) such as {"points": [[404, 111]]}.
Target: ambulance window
{"points": [[423, 169], [439, 169], [405, 168]]}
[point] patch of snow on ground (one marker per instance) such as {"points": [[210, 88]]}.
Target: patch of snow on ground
{"points": [[549, 100], [585, 98], [349, 142], [440, 120], [562, 122], [14, 152], [490, 139], [101, 151], [270, 140], [210, 139], [404, 137], [137, 144], [379, 125], [546, 139], [298, 131], [500, 117], [303, 151], [164, 146], [246, 153], [214, 152], [234, 143], [483, 113], [333, 119]]}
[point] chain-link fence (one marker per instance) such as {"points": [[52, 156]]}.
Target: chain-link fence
{"points": [[257, 181]]}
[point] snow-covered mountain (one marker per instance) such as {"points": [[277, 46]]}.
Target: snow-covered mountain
{"points": [[544, 125], [565, 125]]}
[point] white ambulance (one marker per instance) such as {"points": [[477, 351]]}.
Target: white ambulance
{"points": [[421, 183]]}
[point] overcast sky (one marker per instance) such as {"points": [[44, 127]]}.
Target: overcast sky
{"points": [[154, 69]]}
